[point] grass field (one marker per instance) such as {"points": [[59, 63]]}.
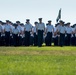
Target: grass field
{"points": [[37, 60]]}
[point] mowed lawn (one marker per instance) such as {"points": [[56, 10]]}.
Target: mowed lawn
{"points": [[37, 60]]}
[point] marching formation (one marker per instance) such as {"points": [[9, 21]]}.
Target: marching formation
{"points": [[19, 34]]}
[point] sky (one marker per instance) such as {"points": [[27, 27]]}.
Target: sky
{"points": [[21, 10]]}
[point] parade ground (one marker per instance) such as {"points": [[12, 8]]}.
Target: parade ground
{"points": [[38, 60]]}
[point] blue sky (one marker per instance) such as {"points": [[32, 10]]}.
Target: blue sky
{"points": [[33, 9]]}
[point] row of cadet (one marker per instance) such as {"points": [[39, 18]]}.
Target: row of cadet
{"points": [[19, 34]]}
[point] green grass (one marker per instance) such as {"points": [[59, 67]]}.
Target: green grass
{"points": [[37, 61], [39, 48]]}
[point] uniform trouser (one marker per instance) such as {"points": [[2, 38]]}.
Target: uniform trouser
{"points": [[35, 39], [75, 40], [7, 38], [15, 39], [3, 41], [65, 41], [31, 40], [20, 40], [56, 41], [49, 38], [40, 37], [0, 40], [27, 38], [62, 39], [11, 41], [68, 39]]}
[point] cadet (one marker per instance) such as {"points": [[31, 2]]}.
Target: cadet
{"points": [[11, 36], [3, 34], [49, 30], [20, 32], [35, 34], [15, 35], [61, 29], [69, 33], [27, 29], [55, 35], [31, 38], [40, 30], [7, 30], [0, 33], [75, 34]]}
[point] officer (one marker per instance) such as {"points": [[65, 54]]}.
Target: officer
{"points": [[49, 31], [40, 30], [7, 30], [27, 30], [15, 35]]}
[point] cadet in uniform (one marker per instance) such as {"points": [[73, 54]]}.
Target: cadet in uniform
{"points": [[69, 33], [3, 34], [20, 32], [7, 30], [35, 34], [27, 29], [40, 30], [55, 35], [15, 35], [11, 36], [75, 34], [61, 29], [0, 33], [49, 31], [31, 37]]}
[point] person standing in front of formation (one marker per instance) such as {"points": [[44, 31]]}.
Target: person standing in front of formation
{"points": [[49, 31], [27, 30], [69, 33], [40, 30], [0, 33], [7, 30]]}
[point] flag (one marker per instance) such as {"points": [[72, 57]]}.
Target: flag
{"points": [[59, 15]]}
